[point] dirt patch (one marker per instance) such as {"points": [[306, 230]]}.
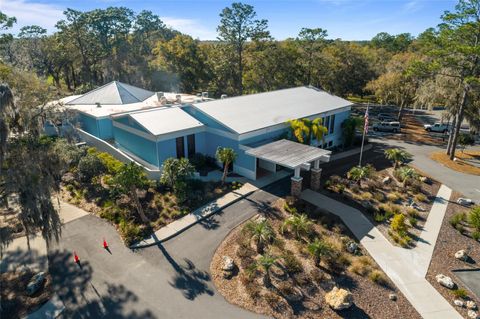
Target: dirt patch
{"points": [[443, 261], [15, 302], [301, 276], [461, 164], [414, 132]]}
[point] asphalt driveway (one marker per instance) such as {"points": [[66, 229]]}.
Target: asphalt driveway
{"points": [[167, 281]]}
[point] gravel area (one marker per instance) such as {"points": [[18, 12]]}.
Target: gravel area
{"points": [[371, 300], [443, 262]]}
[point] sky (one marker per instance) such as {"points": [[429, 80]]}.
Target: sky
{"points": [[345, 19]]}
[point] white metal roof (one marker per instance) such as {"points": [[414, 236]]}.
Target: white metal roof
{"points": [[252, 112], [165, 120], [289, 154], [113, 93]]}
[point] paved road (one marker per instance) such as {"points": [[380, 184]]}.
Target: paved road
{"points": [[169, 281], [468, 185]]}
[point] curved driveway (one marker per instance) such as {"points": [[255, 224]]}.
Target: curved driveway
{"points": [[167, 281]]}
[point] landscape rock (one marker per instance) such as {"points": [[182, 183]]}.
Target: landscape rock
{"points": [[445, 281], [471, 305], [35, 283], [260, 219], [423, 179], [386, 180], [352, 247], [392, 297], [458, 303], [465, 201], [461, 254], [228, 264], [339, 299], [472, 314]]}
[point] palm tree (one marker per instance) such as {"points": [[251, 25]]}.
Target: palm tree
{"points": [[129, 178], [359, 173], [299, 130], [227, 156], [406, 174], [319, 249], [397, 156], [300, 225], [304, 130], [266, 262], [262, 233]]}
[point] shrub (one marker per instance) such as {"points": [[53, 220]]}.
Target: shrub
{"points": [[389, 210], [378, 277], [413, 221], [474, 218], [412, 212], [379, 196], [291, 263], [392, 197], [112, 165], [398, 224], [90, 166], [366, 196], [460, 293], [476, 235], [421, 198], [456, 219], [361, 266], [130, 232], [379, 218]]}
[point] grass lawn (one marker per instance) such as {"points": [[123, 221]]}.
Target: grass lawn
{"points": [[461, 164]]}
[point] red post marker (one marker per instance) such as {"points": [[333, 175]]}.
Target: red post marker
{"points": [[105, 245], [75, 258]]}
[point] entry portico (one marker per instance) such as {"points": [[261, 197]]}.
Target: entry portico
{"points": [[295, 156]]}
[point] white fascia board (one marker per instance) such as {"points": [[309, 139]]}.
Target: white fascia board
{"points": [[216, 131], [132, 130]]}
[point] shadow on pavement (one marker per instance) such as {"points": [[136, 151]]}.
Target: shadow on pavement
{"points": [[82, 299]]}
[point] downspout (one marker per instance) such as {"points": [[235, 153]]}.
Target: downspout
{"points": [[158, 157]]}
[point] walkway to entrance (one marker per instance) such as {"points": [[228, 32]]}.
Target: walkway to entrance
{"points": [[295, 156]]}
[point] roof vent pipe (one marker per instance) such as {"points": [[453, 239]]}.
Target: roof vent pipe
{"points": [[98, 104]]}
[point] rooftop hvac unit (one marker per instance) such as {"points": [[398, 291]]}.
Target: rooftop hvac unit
{"points": [[163, 100], [204, 95], [223, 96], [160, 95], [178, 98], [199, 94]]}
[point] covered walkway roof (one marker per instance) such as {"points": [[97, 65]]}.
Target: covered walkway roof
{"points": [[289, 154]]}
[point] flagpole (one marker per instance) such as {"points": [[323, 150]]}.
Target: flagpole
{"points": [[363, 137]]}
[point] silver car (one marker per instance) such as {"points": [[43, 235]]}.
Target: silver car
{"points": [[387, 127]]}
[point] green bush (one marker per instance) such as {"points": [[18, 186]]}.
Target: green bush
{"points": [[112, 165], [130, 232], [90, 166], [378, 277], [412, 212], [456, 219], [460, 293], [421, 198], [379, 196], [291, 263], [413, 221], [474, 218], [379, 218], [398, 224], [476, 235]]}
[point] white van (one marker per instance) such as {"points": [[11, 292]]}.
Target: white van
{"points": [[387, 127]]}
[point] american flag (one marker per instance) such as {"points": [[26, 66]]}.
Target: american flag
{"points": [[365, 128]]}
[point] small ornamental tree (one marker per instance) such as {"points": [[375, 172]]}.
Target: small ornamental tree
{"points": [[300, 225], [266, 262], [359, 173], [397, 156], [129, 178], [227, 156], [465, 140], [262, 233], [176, 170], [474, 218]]}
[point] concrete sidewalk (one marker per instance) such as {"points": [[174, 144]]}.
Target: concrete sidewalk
{"points": [[171, 230], [406, 268]]}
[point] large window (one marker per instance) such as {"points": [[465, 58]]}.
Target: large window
{"points": [[191, 145], [180, 147], [326, 123], [332, 123]]}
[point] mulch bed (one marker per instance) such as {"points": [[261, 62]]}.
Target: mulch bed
{"points": [[443, 261], [15, 303], [371, 299]]}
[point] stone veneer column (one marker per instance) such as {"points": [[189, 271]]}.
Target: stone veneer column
{"points": [[315, 178], [296, 187]]}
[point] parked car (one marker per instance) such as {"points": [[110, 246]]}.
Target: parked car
{"points": [[385, 117], [437, 127], [387, 127]]}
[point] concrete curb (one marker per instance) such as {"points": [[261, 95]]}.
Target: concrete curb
{"points": [[213, 212]]}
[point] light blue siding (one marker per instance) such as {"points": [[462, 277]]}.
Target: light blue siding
{"points": [[126, 120], [214, 141], [106, 128], [88, 124], [137, 145], [166, 149]]}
